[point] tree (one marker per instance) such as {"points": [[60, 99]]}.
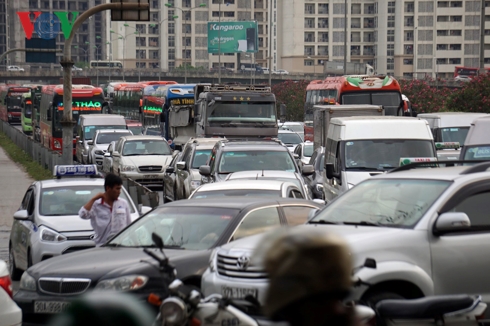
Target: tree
{"points": [[292, 93], [474, 96], [425, 98]]}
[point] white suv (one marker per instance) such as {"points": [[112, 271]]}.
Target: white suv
{"points": [[425, 231], [14, 68]]}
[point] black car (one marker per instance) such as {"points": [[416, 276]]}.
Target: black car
{"points": [[229, 156], [190, 230], [315, 180], [169, 179]]}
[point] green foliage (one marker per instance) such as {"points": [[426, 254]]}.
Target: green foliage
{"points": [[292, 93]]}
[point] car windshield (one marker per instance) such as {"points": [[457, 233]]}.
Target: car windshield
{"points": [[289, 138], [454, 134], [380, 154], [153, 131], [146, 147], [387, 99], [136, 130], [308, 150], [68, 200], [295, 128], [200, 158], [242, 112], [481, 152], [193, 228], [237, 192], [393, 203], [256, 160], [107, 138], [89, 131]]}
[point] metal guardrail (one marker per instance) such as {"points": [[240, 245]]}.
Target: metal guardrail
{"points": [[47, 158]]}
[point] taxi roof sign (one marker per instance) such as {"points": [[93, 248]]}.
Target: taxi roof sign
{"points": [[409, 160], [448, 145], [60, 171]]}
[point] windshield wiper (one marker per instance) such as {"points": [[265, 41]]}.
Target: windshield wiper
{"points": [[362, 223], [363, 168], [323, 222]]}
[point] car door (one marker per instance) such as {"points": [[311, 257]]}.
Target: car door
{"points": [[257, 221], [25, 227], [169, 180], [296, 214], [458, 259], [116, 156]]}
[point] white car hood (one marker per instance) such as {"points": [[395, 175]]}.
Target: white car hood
{"points": [[67, 223], [102, 147], [354, 177], [138, 160]]}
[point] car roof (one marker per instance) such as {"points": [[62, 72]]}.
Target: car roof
{"points": [[71, 182], [441, 173], [246, 184], [286, 131], [110, 131], [143, 137], [238, 202], [253, 145], [262, 173]]}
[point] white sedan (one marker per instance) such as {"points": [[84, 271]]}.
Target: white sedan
{"points": [[10, 313]]}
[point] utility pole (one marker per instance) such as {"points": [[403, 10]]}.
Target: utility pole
{"points": [[482, 38], [271, 24], [345, 37], [67, 63], [219, 42]]}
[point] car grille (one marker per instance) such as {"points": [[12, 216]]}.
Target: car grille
{"points": [[150, 168], [75, 249], [149, 181], [239, 267], [57, 285], [80, 237]]}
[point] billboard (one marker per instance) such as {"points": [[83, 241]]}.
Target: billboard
{"points": [[235, 37]]}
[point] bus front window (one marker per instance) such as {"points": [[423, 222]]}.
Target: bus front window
{"points": [[242, 112]]}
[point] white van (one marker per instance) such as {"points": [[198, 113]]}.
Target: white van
{"points": [[88, 124], [450, 127], [360, 147]]}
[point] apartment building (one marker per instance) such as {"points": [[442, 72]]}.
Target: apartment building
{"points": [[87, 44]]}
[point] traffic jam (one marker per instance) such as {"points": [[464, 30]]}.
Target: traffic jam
{"points": [[365, 213]]}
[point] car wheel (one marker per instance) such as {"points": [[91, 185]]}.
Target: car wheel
{"points": [[15, 273], [373, 298]]}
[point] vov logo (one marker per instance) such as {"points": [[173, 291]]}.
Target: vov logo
{"points": [[47, 25]]}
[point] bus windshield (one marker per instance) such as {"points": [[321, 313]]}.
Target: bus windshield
{"points": [[387, 99], [27, 110], [14, 100], [454, 134], [242, 112]]}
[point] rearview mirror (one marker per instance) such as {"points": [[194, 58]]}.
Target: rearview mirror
{"points": [[90, 142], [451, 222], [21, 215], [107, 154], [205, 170], [181, 165], [307, 170]]}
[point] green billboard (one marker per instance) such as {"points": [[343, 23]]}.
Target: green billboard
{"points": [[235, 37]]}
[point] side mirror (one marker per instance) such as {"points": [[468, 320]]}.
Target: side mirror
{"points": [[307, 170], [80, 141], [145, 209], [21, 215], [296, 156], [319, 201], [90, 142], [205, 170], [181, 165], [169, 169], [157, 240], [329, 170], [107, 154], [312, 214], [116, 154], [451, 222], [282, 113]]}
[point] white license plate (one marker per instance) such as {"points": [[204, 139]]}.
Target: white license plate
{"points": [[50, 307], [150, 176], [238, 293]]}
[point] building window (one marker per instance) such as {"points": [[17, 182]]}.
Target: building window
{"points": [[323, 23], [309, 37], [309, 22], [153, 41], [141, 28], [323, 37], [140, 41], [408, 62], [309, 9], [323, 8], [442, 32], [171, 41]]}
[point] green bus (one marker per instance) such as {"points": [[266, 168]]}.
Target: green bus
{"points": [[26, 113], [33, 121]]}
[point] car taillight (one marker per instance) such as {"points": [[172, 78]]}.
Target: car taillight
{"points": [[6, 284]]}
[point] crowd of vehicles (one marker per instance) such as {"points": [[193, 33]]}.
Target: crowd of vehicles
{"points": [[230, 168]]}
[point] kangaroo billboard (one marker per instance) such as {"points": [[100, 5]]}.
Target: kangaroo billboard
{"points": [[232, 37]]}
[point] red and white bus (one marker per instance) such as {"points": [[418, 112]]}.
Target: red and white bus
{"points": [[11, 101], [467, 71], [86, 99], [354, 89]]}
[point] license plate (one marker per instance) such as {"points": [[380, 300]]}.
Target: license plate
{"points": [[150, 176], [238, 293], [50, 307]]}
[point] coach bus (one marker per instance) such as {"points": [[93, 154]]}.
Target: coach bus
{"points": [[33, 121], [354, 89], [86, 99], [10, 102], [467, 71], [26, 113]]}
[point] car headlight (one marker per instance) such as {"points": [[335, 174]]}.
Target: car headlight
{"points": [[195, 183], [212, 260], [27, 282], [319, 187], [56, 144], [123, 283], [99, 152], [128, 168], [52, 236], [173, 311]]}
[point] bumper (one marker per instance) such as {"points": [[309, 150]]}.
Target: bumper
{"points": [[214, 283], [146, 179], [45, 250], [99, 159]]}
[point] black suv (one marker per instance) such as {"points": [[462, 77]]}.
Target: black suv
{"points": [[229, 156]]}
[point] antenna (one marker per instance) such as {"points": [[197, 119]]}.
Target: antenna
{"points": [[257, 177]]}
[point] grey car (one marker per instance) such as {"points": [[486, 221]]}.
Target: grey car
{"points": [[315, 180], [47, 222]]}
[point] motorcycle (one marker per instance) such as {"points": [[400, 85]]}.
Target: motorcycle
{"points": [[186, 306]]}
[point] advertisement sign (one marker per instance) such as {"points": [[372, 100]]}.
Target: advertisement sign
{"points": [[235, 37], [46, 25]]}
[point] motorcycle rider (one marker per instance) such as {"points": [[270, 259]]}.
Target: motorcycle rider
{"points": [[310, 277]]}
